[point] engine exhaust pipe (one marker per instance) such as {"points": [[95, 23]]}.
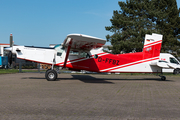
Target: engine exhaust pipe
{"points": [[11, 40]]}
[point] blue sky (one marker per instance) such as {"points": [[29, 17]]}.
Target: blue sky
{"points": [[44, 22]]}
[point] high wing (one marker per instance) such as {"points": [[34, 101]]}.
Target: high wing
{"points": [[83, 42]]}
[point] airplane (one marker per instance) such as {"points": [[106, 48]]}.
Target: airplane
{"points": [[83, 52]]}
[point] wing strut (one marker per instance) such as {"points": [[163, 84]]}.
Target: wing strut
{"points": [[67, 53]]}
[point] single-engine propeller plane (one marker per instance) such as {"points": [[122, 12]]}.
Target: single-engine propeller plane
{"points": [[82, 52]]}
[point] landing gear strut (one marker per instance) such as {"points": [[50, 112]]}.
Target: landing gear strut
{"points": [[51, 74], [163, 78]]}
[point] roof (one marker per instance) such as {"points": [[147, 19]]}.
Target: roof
{"points": [[4, 44]]}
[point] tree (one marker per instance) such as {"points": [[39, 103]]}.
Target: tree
{"points": [[139, 17], [168, 23]]}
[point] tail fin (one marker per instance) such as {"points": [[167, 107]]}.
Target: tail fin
{"points": [[152, 45]]}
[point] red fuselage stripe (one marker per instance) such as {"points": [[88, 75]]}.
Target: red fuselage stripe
{"points": [[129, 64]]}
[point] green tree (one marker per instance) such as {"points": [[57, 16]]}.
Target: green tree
{"points": [[139, 17], [167, 20], [129, 25]]}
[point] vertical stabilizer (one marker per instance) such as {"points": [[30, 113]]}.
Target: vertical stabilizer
{"points": [[152, 45]]}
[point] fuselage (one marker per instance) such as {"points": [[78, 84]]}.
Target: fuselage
{"points": [[81, 52], [99, 61]]}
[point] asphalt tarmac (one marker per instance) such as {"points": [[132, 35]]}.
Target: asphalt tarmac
{"points": [[29, 96]]}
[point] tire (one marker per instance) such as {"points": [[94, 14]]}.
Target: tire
{"points": [[163, 78], [176, 71], [51, 75]]}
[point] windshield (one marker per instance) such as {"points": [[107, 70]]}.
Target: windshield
{"points": [[173, 60], [59, 48]]}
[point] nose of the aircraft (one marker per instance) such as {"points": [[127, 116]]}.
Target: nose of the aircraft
{"points": [[8, 49]]}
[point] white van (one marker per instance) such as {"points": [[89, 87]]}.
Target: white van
{"points": [[170, 63]]}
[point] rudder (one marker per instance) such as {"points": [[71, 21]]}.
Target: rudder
{"points": [[152, 45]]}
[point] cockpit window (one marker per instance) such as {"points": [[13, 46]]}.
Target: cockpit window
{"points": [[59, 48], [172, 60], [83, 54], [80, 54], [73, 52]]}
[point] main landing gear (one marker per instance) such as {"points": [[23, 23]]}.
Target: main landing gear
{"points": [[51, 75]]}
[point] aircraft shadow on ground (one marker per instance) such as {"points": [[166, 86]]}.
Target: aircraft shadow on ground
{"points": [[83, 78], [91, 79]]}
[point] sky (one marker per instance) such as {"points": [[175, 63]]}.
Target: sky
{"points": [[44, 22]]}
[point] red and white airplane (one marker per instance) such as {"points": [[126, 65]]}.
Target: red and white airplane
{"points": [[82, 52]]}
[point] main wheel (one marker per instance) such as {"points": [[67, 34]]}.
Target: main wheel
{"points": [[51, 75], [176, 71]]}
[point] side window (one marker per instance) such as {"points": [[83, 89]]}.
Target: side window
{"points": [[84, 55], [172, 60], [80, 54], [59, 53], [163, 61], [73, 52]]}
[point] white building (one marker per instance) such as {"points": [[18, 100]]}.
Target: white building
{"points": [[2, 46]]}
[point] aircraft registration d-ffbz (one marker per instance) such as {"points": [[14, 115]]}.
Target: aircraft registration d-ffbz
{"points": [[82, 52]]}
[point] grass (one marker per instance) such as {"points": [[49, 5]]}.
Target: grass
{"points": [[8, 71]]}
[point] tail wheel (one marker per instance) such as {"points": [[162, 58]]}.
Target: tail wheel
{"points": [[51, 75], [163, 78]]}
